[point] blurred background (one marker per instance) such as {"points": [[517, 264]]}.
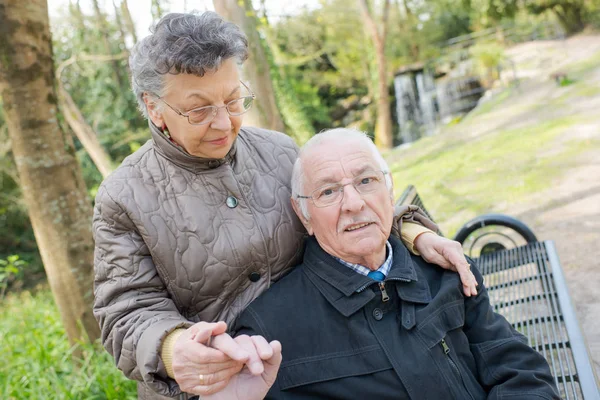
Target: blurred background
{"points": [[483, 105]]}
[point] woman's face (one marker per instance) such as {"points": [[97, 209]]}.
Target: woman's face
{"points": [[186, 92]]}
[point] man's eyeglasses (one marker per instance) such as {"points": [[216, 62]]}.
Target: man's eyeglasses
{"points": [[365, 183], [204, 115]]}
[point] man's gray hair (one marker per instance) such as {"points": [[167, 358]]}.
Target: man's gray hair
{"points": [[337, 135], [190, 43]]}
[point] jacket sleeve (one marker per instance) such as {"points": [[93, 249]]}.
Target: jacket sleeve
{"points": [[131, 303], [507, 366], [408, 216], [249, 323]]}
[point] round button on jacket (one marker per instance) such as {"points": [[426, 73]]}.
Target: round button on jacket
{"points": [[254, 277], [377, 314], [231, 202]]}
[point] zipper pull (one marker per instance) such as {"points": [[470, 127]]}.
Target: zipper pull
{"points": [[384, 295], [445, 347]]}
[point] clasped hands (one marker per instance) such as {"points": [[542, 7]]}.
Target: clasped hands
{"points": [[244, 367]]}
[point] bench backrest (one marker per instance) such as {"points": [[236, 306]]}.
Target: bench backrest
{"points": [[526, 285]]}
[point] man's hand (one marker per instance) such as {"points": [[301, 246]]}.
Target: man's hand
{"points": [[447, 254], [248, 384], [202, 369]]}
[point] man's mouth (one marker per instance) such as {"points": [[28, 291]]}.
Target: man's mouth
{"points": [[357, 226]]}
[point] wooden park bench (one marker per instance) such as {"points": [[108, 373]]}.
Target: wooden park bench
{"points": [[526, 285]]}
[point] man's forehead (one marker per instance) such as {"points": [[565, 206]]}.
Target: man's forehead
{"points": [[330, 163]]}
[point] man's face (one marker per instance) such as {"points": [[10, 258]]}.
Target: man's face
{"points": [[338, 227]]}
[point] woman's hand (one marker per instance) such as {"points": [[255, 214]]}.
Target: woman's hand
{"points": [[447, 254], [249, 385], [202, 368]]}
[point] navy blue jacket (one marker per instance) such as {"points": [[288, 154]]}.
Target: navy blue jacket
{"points": [[417, 337]]}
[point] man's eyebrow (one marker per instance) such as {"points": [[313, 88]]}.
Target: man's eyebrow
{"points": [[363, 169], [325, 181]]}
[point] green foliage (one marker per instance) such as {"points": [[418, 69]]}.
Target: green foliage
{"points": [[38, 362], [9, 270]]}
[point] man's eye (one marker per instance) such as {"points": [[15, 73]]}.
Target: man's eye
{"points": [[326, 192], [368, 180]]}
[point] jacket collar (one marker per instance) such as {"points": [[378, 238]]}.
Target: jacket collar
{"points": [[183, 159], [340, 285]]}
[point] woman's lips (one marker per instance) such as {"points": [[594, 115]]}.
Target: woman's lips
{"points": [[219, 142]]}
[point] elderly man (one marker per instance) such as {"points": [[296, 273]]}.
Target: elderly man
{"points": [[362, 318]]}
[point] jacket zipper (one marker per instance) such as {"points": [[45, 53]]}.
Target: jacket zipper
{"points": [[453, 365], [360, 289], [384, 295]]}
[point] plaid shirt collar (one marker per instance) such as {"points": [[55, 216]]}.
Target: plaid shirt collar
{"points": [[361, 269]]}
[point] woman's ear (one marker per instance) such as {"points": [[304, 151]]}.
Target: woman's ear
{"points": [[154, 111], [305, 221]]}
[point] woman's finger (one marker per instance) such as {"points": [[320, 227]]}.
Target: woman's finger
{"points": [[205, 390], [208, 379]]}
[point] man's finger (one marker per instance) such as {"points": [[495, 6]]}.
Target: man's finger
{"points": [[254, 363], [230, 347], [273, 363], [263, 348], [277, 354]]}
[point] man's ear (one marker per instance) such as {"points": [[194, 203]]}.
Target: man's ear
{"points": [[153, 111], [301, 217]]}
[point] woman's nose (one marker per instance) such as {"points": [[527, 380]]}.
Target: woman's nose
{"points": [[222, 120]]}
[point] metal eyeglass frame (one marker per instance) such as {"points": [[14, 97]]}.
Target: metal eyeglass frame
{"points": [[340, 189], [213, 107]]}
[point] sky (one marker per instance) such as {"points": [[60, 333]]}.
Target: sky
{"points": [[140, 9]]}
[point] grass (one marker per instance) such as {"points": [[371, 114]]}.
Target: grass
{"points": [[460, 179], [37, 356]]}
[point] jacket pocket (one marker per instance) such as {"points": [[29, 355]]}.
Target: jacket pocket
{"points": [[433, 326], [305, 371]]}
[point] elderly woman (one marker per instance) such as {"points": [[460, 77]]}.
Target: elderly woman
{"points": [[197, 223]]}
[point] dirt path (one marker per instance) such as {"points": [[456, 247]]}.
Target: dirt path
{"points": [[569, 212]]}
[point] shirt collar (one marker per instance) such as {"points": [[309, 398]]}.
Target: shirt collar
{"points": [[361, 269]]}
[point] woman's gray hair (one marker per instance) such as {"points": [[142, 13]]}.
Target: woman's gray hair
{"points": [[336, 135], [190, 43]]}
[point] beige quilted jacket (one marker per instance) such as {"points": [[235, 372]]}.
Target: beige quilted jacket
{"points": [[180, 239]]}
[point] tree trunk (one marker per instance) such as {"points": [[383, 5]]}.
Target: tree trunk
{"points": [[84, 132], [383, 127], [121, 27], [104, 33], [264, 113], [128, 20], [49, 173]]}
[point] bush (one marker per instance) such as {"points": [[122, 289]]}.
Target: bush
{"points": [[38, 362]]}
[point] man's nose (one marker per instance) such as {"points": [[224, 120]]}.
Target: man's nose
{"points": [[352, 200], [222, 120]]}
